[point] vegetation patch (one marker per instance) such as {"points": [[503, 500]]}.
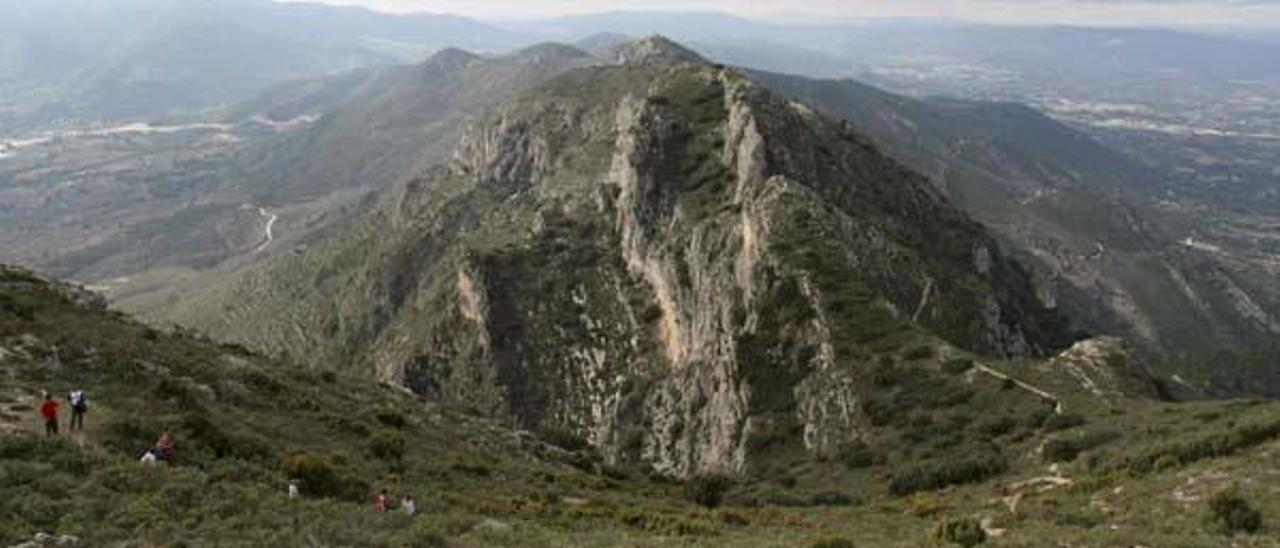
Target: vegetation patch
{"points": [[978, 466], [1230, 513]]}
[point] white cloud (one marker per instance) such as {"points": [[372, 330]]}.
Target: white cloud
{"points": [[1113, 12]]}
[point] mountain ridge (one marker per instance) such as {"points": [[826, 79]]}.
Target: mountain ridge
{"points": [[693, 205]]}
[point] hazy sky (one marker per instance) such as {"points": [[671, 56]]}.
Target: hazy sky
{"points": [[1115, 12]]}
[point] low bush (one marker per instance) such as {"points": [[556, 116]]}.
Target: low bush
{"points": [[994, 427], [391, 418], [387, 445], [708, 490], [1067, 449], [733, 519], [666, 524], [922, 352], [966, 532], [478, 470], [957, 366], [1230, 513], [563, 438], [129, 435], [832, 542], [941, 473], [322, 475], [206, 438], [926, 504], [832, 498], [1166, 462], [1062, 422], [1060, 451], [854, 455], [1211, 446], [1038, 417]]}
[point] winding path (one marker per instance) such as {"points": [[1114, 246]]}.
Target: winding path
{"points": [[269, 236], [1057, 403]]}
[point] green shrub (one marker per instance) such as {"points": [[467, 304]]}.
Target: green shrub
{"points": [[832, 542], [20, 306], [476, 469], [1061, 451], [832, 498], [994, 427], [387, 445], [1166, 462], [129, 435], [1067, 449], [1038, 417], [707, 490], [666, 524], [321, 475], [1211, 446], [966, 532], [940, 473], [262, 382], [957, 366], [922, 352], [563, 438], [856, 454], [203, 435], [391, 417], [733, 519], [1062, 422], [1229, 514]]}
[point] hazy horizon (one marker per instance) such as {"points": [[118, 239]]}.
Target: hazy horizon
{"points": [[1252, 13]]}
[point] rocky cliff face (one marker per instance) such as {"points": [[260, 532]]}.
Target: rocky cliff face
{"points": [[665, 260]]}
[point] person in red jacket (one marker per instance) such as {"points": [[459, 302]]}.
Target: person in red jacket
{"points": [[382, 502], [164, 447], [49, 410]]}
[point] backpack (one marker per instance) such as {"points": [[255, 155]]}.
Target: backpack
{"points": [[79, 401]]}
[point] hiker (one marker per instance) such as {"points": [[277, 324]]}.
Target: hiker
{"points": [[293, 489], [382, 502], [409, 505], [164, 447], [49, 410], [79, 406], [148, 458]]}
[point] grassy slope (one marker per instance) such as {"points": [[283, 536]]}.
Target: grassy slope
{"points": [[240, 420]]}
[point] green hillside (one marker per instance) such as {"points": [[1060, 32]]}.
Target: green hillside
{"points": [[1132, 470]]}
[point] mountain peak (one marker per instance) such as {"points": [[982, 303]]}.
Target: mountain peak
{"points": [[655, 49], [553, 50], [452, 58]]}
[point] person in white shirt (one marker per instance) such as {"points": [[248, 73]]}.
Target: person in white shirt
{"points": [[409, 505], [79, 406]]}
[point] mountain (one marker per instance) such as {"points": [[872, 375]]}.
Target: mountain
{"points": [[1075, 212], [147, 58], [1062, 55], [1059, 202], [659, 256], [402, 120]]}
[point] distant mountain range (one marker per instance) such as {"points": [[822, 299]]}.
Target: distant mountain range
{"points": [[69, 60], [144, 58]]}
